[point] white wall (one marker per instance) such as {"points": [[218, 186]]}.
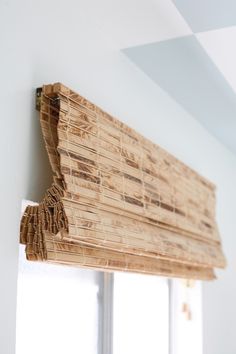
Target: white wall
{"points": [[49, 41]]}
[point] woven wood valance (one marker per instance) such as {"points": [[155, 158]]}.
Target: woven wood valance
{"points": [[118, 201]]}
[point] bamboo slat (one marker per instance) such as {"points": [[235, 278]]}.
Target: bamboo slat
{"points": [[118, 201]]}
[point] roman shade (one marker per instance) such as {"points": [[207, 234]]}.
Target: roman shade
{"points": [[118, 201]]}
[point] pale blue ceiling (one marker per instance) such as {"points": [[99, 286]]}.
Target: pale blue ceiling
{"points": [[205, 15], [183, 69]]}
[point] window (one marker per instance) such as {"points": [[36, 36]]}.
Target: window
{"points": [[57, 309], [141, 314], [185, 335], [70, 310]]}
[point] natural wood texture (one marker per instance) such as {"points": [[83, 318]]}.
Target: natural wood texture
{"points": [[118, 201]]}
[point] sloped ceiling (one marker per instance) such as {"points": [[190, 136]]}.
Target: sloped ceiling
{"points": [[188, 48]]}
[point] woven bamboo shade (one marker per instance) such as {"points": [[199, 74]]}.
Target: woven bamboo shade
{"points": [[118, 201]]}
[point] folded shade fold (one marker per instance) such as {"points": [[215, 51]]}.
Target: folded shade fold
{"points": [[118, 201]]}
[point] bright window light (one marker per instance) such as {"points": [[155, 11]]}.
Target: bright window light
{"points": [[186, 334], [140, 314], [57, 309]]}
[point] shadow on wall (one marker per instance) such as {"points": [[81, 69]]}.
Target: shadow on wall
{"points": [[40, 175]]}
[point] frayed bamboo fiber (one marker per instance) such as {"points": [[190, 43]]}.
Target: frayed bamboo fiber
{"points": [[118, 201]]}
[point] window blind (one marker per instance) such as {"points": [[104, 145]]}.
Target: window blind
{"points": [[118, 201]]}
